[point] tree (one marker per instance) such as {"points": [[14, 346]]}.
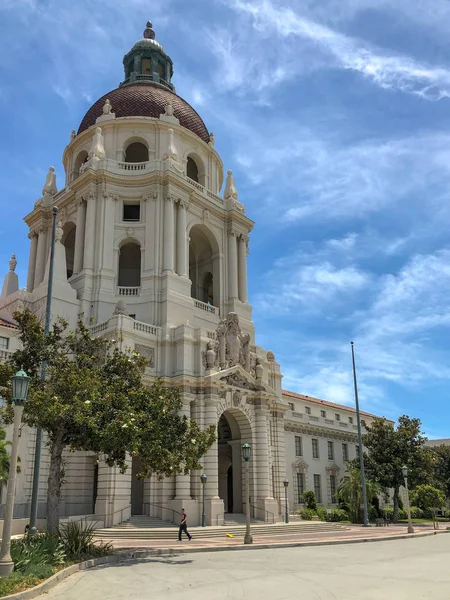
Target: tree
{"points": [[310, 500], [4, 458], [441, 462], [93, 399], [389, 449], [350, 492], [429, 498]]}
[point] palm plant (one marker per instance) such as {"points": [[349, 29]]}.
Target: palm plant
{"points": [[350, 492]]}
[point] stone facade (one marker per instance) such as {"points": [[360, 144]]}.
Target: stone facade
{"points": [[147, 248]]}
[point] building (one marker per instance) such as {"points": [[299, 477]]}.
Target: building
{"points": [[147, 246]]}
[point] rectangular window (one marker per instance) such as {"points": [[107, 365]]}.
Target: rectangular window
{"points": [[350, 420], [323, 414], [344, 451], [317, 488], [337, 417], [300, 487], [298, 446], [131, 212], [333, 489], [307, 410], [330, 451], [315, 448], [4, 343], [291, 406]]}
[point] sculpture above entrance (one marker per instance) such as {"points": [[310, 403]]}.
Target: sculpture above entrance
{"points": [[232, 346]]}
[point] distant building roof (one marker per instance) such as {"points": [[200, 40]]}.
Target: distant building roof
{"points": [[6, 323], [325, 403], [441, 442]]}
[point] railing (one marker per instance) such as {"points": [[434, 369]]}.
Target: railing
{"points": [[138, 166], [214, 197], [206, 307], [196, 184], [4, 355], [145, 328], [146, 78], [128, 291], [148, 505], [268, 516], [96, 329]]}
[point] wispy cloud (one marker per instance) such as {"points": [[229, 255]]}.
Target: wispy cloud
{"points": [[317, 45]]}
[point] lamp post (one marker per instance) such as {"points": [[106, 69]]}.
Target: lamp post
{"points": [[38, 444], [246, 454], [360, 445], [203, 479], [286, 483], [20, 383], [408, 508]]}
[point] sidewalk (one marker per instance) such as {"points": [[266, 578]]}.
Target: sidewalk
{"points": [[356, 534]]}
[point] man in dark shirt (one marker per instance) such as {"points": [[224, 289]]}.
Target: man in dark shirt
{"points": [[183, 526]]}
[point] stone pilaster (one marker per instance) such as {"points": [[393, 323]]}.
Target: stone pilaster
{"points": [[79, 236], [169, 241], [33, 236], [88, 259], [232, 265], [181, 239], [41, 255], [242, 257]]}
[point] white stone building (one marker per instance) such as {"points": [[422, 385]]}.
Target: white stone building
{"points": [[146, 246]]}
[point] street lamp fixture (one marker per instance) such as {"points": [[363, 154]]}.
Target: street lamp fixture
{"points": [[20, 384], [286, 484], [203, 479], [246, 455], [408, 507]]}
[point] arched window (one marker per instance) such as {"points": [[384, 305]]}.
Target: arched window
{"points": [[161, 71], [204, 265], [130, 265], [69, 245], [136, 152], [192, 169], [79, 161], [146, 66]]}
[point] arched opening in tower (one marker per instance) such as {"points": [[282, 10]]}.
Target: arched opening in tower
{"points": [[192, 169], [136, 152], [69, 245], [130, 265], [204, 265]]}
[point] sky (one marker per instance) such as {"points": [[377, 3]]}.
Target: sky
{"points": [[334, 116]]}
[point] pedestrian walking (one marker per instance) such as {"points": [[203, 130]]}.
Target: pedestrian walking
{"points": [[183, 526]]}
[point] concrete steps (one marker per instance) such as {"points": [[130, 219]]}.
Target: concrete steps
{"points": [[263, 529]]}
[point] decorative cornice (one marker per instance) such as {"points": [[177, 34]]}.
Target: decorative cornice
{"points": [[319, 431]]}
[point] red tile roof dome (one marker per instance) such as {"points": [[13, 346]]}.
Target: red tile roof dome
{"points": [[146, 100]]}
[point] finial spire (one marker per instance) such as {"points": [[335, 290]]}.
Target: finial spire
{"points": [[13, 263], [149, 34]]}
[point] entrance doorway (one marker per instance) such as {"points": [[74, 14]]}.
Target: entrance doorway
{"points": [[137, 488], [230, 442]]}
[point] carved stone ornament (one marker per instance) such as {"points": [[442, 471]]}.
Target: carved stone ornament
{"points": [[13, 263], [107, 107], [168, 110], [146, 352], [50, 183], [238, 381], [232, 346], [237, 398], [121, 308]]}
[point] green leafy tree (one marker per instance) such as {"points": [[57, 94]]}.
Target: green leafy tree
{"points": [[350, 493], [310, 500], [441, 467], [389, 449], [429, 498], [93, 399]]}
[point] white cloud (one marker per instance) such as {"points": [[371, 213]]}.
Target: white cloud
{"points": [[317, 45]]}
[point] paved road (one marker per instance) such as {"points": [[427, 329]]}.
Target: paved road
{"points": [[409, 569]]}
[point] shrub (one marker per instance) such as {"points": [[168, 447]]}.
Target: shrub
{"points": [[416, 513], [322, 514], [338, 514], [78, 541], [373, 513], [310, 500], [33, 552], [402, 514], [307, 514]]}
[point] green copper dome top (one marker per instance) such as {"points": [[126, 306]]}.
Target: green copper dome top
{"points": [[147, 61]]}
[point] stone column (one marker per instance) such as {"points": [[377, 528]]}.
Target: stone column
{"points": [[261, 455], [242, 255], [181, 239], [211, 459], [168, 232], [88, 259], [109, 218], [33, 236], [79, 236], [232, 265], [183, 482], [41, 256]]}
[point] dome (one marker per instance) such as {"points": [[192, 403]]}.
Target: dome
{"points": [[146, 100]]}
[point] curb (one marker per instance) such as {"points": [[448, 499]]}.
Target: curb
{"points": [[143, 554]]}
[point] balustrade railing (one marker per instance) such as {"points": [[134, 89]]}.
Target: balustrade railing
{"points": [[196, 185], [206, 307], [145, 328], [138, 166], [4, 354], [96, 329], [128, 291]]}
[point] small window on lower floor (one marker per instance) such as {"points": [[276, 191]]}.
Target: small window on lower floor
{"points": [[291, 406], [4, 343], [131, 212]]}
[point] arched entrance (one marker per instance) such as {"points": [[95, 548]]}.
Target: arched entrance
{"points": [[204, 266], [233, 431]]}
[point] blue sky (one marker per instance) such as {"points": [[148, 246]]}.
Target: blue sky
{"points": [[335, 118]]}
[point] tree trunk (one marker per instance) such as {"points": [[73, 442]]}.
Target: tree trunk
{"points": [[54, 483], [396, 496]]}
